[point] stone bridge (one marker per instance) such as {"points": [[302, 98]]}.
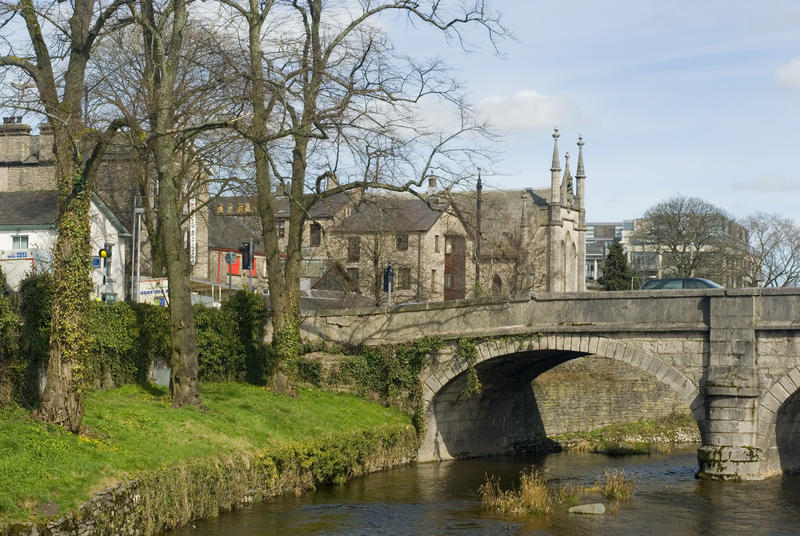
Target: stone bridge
{"points": [[733, 355]]}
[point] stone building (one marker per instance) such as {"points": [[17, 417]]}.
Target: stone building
{"points": [[442, 245], [26, 165]]}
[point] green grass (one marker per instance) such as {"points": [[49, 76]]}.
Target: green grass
{"points": [[133, 429]]}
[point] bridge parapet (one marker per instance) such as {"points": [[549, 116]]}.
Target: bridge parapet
{"points": [[634, 311]]}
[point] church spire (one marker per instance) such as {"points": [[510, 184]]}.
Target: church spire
{"points": [[580, 174], [555, 193], [556, 166]]}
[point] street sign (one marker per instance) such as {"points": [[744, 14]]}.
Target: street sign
{"points": [[230, 258]]}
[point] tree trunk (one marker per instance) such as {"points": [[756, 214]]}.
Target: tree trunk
{"points": [[183, 356], [163, 43], [68, 365]]}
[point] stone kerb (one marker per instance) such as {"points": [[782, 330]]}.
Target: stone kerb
{"points": [[442, 372]]}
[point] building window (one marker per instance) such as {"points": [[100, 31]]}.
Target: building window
{"points": [[401, 242], [220, 209], [433, 281], [436, 247], [448, 247], [281, 229], [354, 249], [403, 277], [352, 275], [316, 235], [497, 284], [19, 242], [448, 281]]}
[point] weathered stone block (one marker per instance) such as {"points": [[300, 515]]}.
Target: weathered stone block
{"points": [[770, 402], [794, 374]]}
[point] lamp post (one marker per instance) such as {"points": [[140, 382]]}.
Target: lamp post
{"points": [[388, 280], [136, 250], [478, 189]]}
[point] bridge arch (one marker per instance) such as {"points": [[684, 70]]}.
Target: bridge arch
{"points": [[778, 418], [448, 436]]}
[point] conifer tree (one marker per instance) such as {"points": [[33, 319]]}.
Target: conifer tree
{"points": [[617, 274]]}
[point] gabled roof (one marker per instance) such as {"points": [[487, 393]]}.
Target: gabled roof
{"points": [[29, 209], [323, 208], [230, 231], [391, 213], [501, 217], [39, 209]]}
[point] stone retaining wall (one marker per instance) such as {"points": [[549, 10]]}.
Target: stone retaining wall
{"points": [[589, 393], [170, 498]]}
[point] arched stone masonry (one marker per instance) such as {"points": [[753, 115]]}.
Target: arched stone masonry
{"points": [[553, 349], [778, 417]]}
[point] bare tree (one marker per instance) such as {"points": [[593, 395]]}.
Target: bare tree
{"points": [[694, 238], [333, 102], [117, 87], [52, 59], [774, 255]]}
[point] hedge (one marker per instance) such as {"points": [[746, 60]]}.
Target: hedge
{"points": [[126, 338]]}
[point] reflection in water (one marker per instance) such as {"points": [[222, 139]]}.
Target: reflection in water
{"points": [[442, 499]]}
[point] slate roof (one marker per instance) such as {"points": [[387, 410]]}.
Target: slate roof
{"points": [[38, 208], [501, 217], [324, 208], [230, 231], [391, 213]]}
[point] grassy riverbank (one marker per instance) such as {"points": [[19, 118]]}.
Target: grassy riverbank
{"points": [[133, 430]]}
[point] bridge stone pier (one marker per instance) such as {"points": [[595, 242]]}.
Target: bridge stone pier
{"points": [[733, 355]]}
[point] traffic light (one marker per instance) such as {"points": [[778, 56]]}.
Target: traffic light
{"points": [[105, 254], [244, 250]]}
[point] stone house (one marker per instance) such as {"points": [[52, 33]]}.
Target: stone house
{"points": [[26, 165], [233, 221], [424, 240], [441, 245]]}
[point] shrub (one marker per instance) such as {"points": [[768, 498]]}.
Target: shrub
{"points": [[35, 304], [115, 334], [221, 353], [249, 311]]}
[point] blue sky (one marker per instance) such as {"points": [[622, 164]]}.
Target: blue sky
{"points": [[693, 98]]}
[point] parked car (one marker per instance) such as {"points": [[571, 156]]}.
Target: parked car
{"points": [[679, 283]]}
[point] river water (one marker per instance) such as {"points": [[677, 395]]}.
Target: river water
{"points": [[442, 499]]}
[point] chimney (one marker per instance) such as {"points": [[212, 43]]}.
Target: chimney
{"points": [[15, 140], [431, 183], [333, 181], [45, 142]]}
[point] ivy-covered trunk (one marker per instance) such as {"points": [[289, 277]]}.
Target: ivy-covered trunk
{"points": [[68, 365]]}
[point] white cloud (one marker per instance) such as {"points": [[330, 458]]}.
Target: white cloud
{"points": [[769, 183], [524, 110], [788, 75]]}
